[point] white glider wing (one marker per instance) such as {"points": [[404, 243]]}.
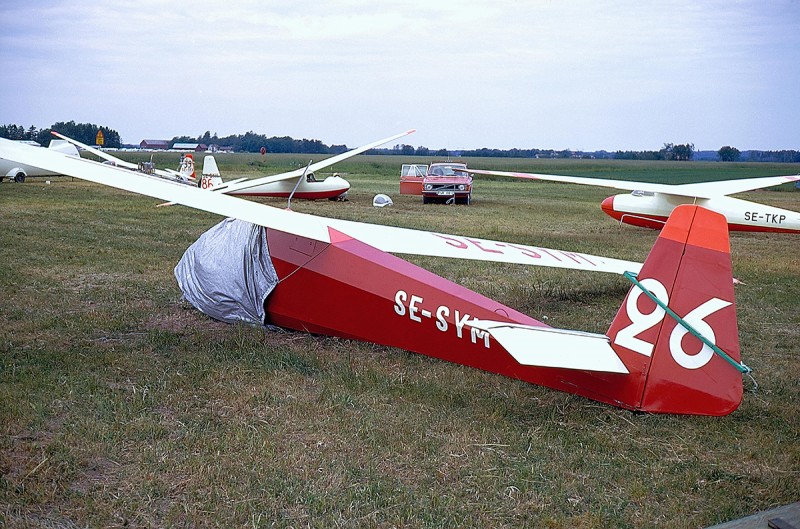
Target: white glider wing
{"points": [[297, 173], [169, 190], [731, 187], [387, 238], [583, 180], [417, 242], [698, 190], [97, 152]]}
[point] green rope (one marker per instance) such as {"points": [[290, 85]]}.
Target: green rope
{"points": [[739, 366]]}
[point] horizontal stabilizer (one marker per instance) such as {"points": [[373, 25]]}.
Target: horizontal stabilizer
{"points": [[548, 347]]}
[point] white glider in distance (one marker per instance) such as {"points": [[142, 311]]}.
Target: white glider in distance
{"points": [[649, 205]]}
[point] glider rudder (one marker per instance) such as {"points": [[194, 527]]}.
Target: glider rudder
{"points": [[211, 177], [685, 350]]}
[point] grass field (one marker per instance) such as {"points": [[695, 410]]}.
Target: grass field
{"points": [[121, 405]]}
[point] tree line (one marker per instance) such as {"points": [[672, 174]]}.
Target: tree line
{"points": [[253, 142], [670, 151], [83, 132]]}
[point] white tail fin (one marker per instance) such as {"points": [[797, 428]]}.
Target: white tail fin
{"points": [[211, 177]]}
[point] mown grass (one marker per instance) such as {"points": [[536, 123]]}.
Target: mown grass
{"points": [[120, 405]]}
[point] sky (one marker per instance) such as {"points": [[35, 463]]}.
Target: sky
{"points": [[580, 75]]}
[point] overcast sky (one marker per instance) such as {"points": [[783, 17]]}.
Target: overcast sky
{"points": [[583, 75]]}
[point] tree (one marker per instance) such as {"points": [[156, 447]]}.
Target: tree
{"points": [[13, 132], [84, 133], [678, 152], [407, 150], [728, 154]]}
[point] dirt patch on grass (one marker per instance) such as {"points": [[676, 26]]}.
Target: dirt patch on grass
{"points": [[97, 473], [25, 456], [182, 317]]}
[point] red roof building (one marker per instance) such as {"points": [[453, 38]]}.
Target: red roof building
{"points": [[154, 144]]}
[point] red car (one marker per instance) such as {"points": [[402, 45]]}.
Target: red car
{"points": [[446, 182], [441, 182]]}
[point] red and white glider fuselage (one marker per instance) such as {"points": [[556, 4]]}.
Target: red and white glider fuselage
{"points": [[646, 362], [308, 189], [651, 210]]}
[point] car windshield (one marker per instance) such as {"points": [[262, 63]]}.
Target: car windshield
{"points": [[448, 170]]}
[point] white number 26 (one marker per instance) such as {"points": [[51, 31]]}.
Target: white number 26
{"points": [[627, 336]]}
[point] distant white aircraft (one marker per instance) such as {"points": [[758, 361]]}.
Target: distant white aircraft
{"points": [[649, 205], [300, 183], [185, 174], [18, 172]]}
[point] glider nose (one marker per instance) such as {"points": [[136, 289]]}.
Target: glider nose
{"points": [[608, 206]]}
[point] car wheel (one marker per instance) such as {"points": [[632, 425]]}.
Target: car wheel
{"points": [[19, 178]]}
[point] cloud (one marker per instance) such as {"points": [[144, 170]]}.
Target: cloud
{"points": [[585, 75]]}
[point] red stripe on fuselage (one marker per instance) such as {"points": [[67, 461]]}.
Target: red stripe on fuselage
{"points": [[307, 195]]}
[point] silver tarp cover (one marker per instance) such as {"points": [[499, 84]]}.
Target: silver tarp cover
{"points": [[227, 272]]}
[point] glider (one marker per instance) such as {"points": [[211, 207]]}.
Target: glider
{"points": [[649, 205], [673, 346], [299, 183], [185, 174], [16, 172]]}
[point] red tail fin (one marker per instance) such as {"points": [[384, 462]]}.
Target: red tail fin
{"points": [[689, 269]]}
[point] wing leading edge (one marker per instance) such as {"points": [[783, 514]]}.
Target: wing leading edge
{"points": [[697, 190]]}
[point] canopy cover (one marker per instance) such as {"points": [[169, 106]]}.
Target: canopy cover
{"points": [[227, 272]]}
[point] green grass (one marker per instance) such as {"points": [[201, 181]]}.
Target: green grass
{"points": [[120, 405]]}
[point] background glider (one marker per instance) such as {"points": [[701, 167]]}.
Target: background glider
{"points": [[648, 205], [299, 183]]}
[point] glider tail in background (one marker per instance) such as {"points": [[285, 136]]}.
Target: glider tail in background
{"points": [[187, 168], [683, 354]]}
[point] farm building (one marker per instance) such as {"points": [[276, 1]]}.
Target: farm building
{"points": [[195, 147], [154, 144]]}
